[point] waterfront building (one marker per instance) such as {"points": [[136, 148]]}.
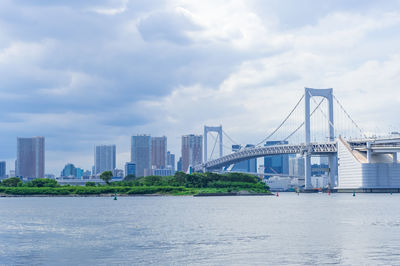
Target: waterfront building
{"points": [[50, 176], [296, 166], [30, 161], [141, 154], [130, 168], [279, 183], [2, 169], [170, 160], [78, 173], [163, 172], [159, 152], [104, 158], [277, 164], [249, 166], [86, 174], [192, 151], [69, 170], [319, 181], [119, 173]]}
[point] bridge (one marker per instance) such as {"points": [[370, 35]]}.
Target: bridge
{"points": [[365, 150]]}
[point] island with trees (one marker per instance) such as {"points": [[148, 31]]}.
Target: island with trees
{"points": [[198, 184]]}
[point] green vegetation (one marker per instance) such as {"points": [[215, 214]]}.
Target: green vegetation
{"points": [[106, 177], [178, 184]]}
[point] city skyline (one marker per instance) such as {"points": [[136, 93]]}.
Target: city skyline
{"points": [[226, 64]]}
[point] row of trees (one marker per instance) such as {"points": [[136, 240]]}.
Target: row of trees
{"points": [[180, 179]]}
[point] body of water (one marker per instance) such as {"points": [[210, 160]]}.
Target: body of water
{"points": [[290, 229]]}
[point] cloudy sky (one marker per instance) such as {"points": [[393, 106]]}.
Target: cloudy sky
{"points": [[92, 72]]}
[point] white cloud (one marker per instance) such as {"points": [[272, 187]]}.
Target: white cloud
{"points": [[168, 68]]}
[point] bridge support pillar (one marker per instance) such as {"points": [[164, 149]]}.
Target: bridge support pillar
{"points": [[212, 129], [308, 93], [332, 171], [307, 169]]}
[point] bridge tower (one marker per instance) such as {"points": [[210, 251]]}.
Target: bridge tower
{"points": [[212, 129], [326, 93]]}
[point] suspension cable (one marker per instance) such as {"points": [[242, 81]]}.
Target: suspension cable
{"points": [[323, 113], [283, 122], [234, 142], [215, 143], [302, 124], [348, 116]]}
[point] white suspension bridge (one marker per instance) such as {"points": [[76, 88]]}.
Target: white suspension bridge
{"points": [[364, 162]]}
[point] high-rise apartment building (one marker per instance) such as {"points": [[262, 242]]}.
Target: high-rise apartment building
{"points": [[170, 161], [2, 169], [30, 157], [192, 151], [104, 158], [141, 154], [158, 152]]}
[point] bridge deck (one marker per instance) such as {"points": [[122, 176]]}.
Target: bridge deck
{"points": [[376, 146]]}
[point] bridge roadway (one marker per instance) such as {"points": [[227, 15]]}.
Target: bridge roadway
{"points": [[380, 145], [250, 153]]}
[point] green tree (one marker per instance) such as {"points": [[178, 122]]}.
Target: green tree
{"points": [[43, 182], [106, 177], [90, 184], [11, 182], [130, 177], [152, 180]]}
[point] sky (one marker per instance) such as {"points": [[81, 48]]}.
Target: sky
{"points": [[84, 73]]}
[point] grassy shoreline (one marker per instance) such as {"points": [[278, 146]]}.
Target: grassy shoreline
{"points": [[108, 191], [180, 184]]}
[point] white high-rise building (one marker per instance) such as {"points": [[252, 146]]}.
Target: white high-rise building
{"points": [[192, 151], [104, 158], [141, 154], [30, 161]]}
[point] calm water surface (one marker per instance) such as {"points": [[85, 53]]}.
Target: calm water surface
{"points": [[290, 229]]}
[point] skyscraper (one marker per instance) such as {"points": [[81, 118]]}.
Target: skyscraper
{"points": [[104, 158], [159, 152], [2, 169], [171, 161], [30, 157], [141, 154], [192, 151], [277, 164]]}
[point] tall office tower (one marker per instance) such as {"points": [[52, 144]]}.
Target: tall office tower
{"points": [[130, 168], [296, 166], [30, 157], [276, 164], [179, 165], [104, 158], [141, 154], [159, 152], [192, 151], [2, 169], [249, 166], [171, 161]]}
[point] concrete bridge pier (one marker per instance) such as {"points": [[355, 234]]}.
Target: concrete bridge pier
{"points": [[332, 171], [307, 169]]}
